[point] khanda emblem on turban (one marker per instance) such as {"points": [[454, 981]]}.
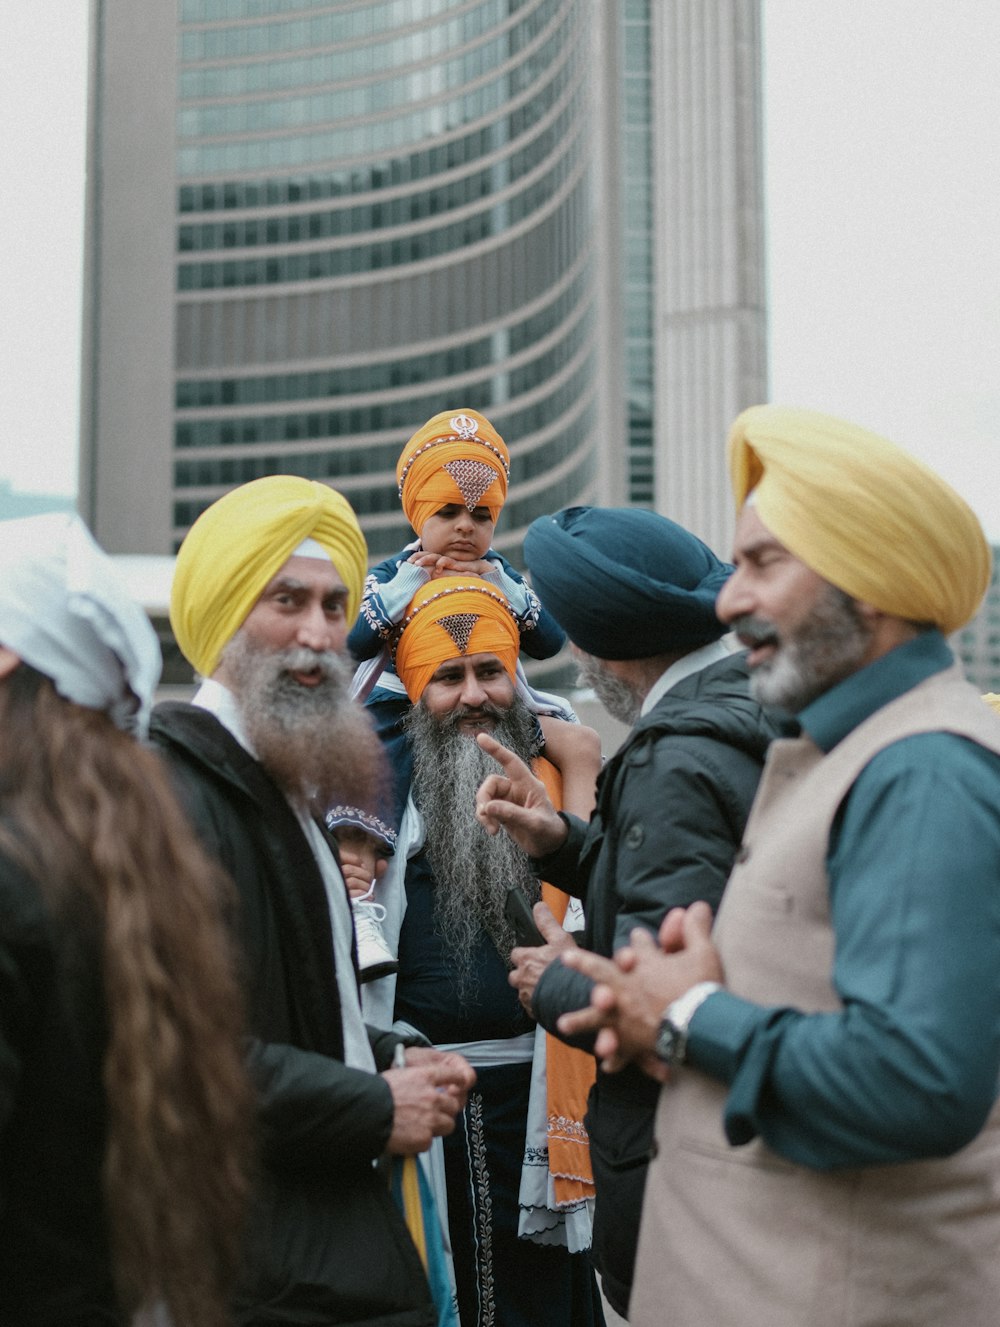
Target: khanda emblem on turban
{"points": [[464, 426], [473, 478], [459, 627]]}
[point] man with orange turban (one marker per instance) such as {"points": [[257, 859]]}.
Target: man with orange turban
{"points": [[267, 584], [452, 476], [828, 1141], [517, 1168]]}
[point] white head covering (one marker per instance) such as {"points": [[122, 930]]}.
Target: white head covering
{"points": [[64, 611]]}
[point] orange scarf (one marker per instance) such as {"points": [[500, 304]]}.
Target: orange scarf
{"points": [[569, 1072]]}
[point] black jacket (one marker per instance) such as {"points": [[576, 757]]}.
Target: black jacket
{"points": [[327, 1244], [671, 807]]}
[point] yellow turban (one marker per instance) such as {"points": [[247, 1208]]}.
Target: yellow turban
{"points": [[456, 457], [450, 617], [862, 513], [239, 543], [993, 700]]}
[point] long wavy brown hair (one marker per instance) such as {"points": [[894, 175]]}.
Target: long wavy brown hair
{"points": [[91, 817]]}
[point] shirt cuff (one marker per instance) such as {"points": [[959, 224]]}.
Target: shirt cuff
{"points": [[720, 1030]]}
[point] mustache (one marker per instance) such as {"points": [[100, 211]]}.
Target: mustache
{"points": [[754, 631], [487, 710], [301, 659]]}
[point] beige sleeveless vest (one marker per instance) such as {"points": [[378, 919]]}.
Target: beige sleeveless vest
{"points": [[739, 1237]]}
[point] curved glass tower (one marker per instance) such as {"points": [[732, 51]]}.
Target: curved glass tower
{"points": [[313, 224], [383, 212]]}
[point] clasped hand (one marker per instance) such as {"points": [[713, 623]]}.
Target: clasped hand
{"points": [[439, 564], [426, 1097], [634, 988]]}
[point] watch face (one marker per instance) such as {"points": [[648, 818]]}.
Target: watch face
{"points": [[668, 1042]]}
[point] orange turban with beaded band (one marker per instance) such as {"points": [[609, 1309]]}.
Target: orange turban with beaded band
{"points": [[457, 457], [862, 513], [240, 542], [450, 617]]}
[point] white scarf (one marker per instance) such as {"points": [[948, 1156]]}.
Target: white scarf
{"points": [[64, 611]]}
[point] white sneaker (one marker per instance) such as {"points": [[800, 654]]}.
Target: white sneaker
{"points": [[375, 958]]}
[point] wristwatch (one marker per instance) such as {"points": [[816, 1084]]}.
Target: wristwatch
{"points": [[671, 1039]]}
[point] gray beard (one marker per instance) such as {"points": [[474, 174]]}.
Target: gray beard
{"points": [[826, 647], [471, 869], [317, 743], [616, 696]]}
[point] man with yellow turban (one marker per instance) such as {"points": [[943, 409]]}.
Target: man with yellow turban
{"points": [[517, 1167], [267, 584], [635, 592], [828, 1141]]}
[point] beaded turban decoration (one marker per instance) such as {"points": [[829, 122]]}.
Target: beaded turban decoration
{"points": [[862, 513], [239, 543], [457, 457], [624, 583], [450, 617]]}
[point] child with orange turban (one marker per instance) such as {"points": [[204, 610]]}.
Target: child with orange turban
{"points": [[452, 477]]}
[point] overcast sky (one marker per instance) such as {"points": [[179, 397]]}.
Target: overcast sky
{"points": [[883, 185]]}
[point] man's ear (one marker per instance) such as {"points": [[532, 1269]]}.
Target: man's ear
{"points": [[8, 661], [887, 631]]}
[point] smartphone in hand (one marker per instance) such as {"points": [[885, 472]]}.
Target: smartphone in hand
{"points": [[518, 913]]}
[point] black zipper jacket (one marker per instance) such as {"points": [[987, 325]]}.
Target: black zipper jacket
{"points": [[327, 1244]]}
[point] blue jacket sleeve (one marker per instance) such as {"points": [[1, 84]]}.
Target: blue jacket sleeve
{"points": [[541, 634], [909, 1067], [388, 589]]}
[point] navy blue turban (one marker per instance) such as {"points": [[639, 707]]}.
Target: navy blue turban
{"points": [[625, 583]]}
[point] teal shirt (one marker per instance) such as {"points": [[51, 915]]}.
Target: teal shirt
{"points": [[909, 1067]]}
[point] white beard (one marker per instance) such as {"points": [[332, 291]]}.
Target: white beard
{"points": [[824, 648], [316, 742]]}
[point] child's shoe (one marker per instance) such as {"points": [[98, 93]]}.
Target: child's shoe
{"points": [[375, 958]]}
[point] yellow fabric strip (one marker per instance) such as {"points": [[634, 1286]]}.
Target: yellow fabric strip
{"points": [[412, 1209]]}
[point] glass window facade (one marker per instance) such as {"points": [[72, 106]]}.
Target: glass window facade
{"points": [[360, 132], [412, 243], [384, 210], [637, 166], [402, 75], [363, 25], [978, 644]]}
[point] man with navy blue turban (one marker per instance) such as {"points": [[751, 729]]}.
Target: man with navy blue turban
{"points": [[635, 593]]}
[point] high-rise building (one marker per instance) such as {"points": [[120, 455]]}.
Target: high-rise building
{"points": [[310, 226]]}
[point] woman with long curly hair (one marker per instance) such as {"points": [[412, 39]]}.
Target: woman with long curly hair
{"points": [[125, 1115]]}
